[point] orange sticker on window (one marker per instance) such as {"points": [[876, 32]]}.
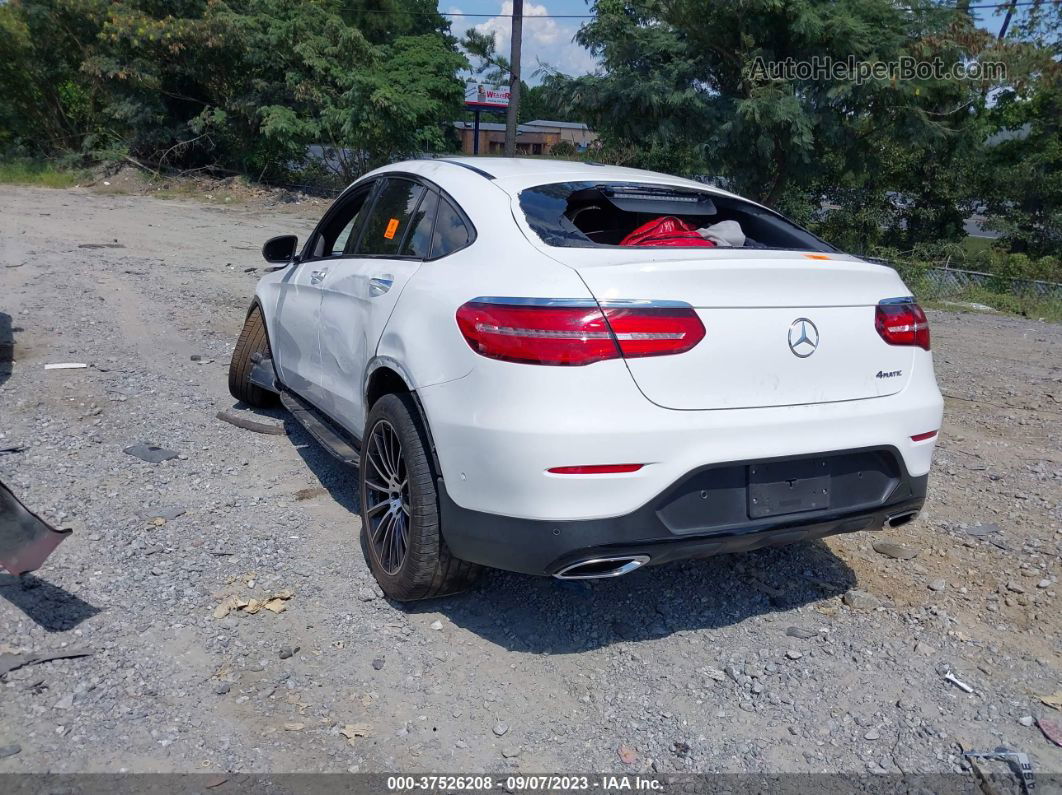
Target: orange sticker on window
{"points": [[392, 227]]}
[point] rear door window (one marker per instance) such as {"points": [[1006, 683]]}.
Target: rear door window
{"points": [[390, 219], [451, 231]]}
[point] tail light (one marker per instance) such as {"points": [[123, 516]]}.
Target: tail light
{"points": [[576, 332], [902, 324]]}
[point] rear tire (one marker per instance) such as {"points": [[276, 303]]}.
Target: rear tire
{"points": [[252, 340], [400, 530]]}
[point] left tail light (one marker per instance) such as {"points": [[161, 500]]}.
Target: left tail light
{"points": [[560, 332], [902, 324]]}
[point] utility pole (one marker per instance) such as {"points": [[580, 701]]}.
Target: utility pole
{"points": [[1006, 19], [513, 111]]}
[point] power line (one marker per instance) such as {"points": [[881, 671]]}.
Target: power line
{"points": [[1000, 5]]}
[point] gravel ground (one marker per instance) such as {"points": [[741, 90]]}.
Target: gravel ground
{"points": [[816, 657]]}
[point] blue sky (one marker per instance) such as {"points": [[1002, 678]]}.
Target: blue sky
{"points": [[550, 40]]}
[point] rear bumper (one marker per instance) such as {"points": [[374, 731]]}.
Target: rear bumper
{"points": [[705, 513], [499, 430]]}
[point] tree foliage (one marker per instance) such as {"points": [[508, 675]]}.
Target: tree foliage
{"points": [[869, 163], [242, 84]]}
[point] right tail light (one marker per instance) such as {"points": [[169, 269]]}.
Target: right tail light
{"points": [[902, 324]]}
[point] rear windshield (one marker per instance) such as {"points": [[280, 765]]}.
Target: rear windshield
{"points": [[593, 214]]}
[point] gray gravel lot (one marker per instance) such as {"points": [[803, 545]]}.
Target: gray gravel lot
{"points": [[817, 657]]}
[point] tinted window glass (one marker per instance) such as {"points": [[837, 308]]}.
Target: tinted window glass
{"points": [[390, 217], [450, 231], [418, 240], [337, 232]]}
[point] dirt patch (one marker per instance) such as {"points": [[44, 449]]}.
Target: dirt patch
{"points": [[200, 186]]}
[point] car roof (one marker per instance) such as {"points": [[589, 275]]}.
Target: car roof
{"points": [[514, 174]]}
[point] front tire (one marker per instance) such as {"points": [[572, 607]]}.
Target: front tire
{"points": [[400, 532], [252, 340]]}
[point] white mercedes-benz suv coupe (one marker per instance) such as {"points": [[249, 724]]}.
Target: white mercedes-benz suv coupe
{"points": [[560, 369]]}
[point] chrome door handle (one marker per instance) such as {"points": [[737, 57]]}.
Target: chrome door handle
{"points": [[378, 285], [316, 277]]}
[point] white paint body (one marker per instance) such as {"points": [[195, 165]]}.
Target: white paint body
{"points": [[740, 394]]}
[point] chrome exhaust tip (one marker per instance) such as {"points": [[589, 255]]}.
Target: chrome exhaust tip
{"points": [[598, 568], [898, 519]]}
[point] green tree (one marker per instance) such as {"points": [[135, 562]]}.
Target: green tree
{"points": [[244, 85], [1020, 170], [682, 90], [46, 104]]}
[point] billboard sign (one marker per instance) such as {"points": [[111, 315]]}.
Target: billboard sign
{"points": [[480, 95]]}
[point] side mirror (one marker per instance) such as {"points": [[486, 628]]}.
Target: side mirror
{"points": [[280, 249]]}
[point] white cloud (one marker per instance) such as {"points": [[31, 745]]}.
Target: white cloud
{"points": [[545, 40]]}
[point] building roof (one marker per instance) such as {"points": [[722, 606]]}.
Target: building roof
{"points": [[563, 125], [493, 126]]}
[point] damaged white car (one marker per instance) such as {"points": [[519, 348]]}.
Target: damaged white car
{"points": [[577, 370]]}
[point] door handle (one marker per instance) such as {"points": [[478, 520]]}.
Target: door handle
{"points": [[378, 285], [316, 277]]}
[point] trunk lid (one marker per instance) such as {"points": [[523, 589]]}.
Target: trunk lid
{"points": [[783, 328]]}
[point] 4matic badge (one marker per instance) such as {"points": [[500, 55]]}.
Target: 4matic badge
{"points": [[889, 373]]}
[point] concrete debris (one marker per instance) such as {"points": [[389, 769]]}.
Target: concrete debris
{"points": [[861, 600], [891, 549], [240, 421]]}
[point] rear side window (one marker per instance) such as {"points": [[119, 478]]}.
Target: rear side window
{"points": [[418, 239], [390, 218], [588, 215], [451, 231]]}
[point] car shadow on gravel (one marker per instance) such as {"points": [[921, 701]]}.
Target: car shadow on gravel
{"points": [[340, 480], [53, 608], [547, 616]]}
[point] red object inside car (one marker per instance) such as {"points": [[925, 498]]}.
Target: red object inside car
{"points": [[665, 231]]}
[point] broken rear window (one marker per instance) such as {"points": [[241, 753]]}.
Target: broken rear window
{"points": [[593, 214]]}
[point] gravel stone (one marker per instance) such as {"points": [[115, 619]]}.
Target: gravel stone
{"points": [[891, 549], [861, 600]]}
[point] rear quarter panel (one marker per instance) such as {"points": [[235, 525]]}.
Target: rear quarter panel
{"points": [[422, 332]]}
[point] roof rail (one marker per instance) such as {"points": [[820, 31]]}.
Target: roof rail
{"points": [[479, 171]]}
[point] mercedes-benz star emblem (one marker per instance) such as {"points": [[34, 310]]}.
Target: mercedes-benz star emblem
{"points": [[803, 337]]}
